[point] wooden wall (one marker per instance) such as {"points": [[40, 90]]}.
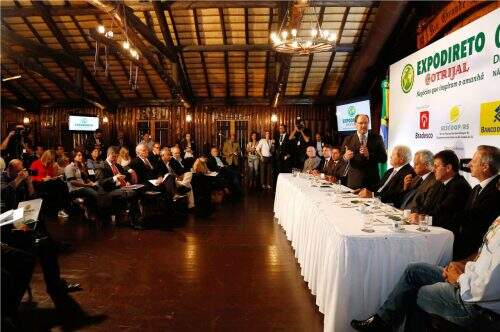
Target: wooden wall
{"points": [[50, 125]]}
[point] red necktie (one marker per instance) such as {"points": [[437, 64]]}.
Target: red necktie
{"points": [[117, 172]]}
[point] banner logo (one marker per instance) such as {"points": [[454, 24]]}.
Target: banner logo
{"points": [[351, 111], [407, 78], [490, 119], [424, 120], [454, 114]]}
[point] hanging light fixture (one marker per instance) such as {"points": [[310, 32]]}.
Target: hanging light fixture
{"points": [[274, 118], [26, 120], [315, 40]]}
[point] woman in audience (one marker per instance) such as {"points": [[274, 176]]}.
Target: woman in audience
{"points": [[124, 158], [206, 189], [253, 160], [62, 162], [49, 184], [79, 184], [94, 161]]}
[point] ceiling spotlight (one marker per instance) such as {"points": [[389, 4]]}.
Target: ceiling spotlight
{"points": [[101, 29], [126, 45]]}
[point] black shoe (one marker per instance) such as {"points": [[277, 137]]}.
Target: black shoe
{"points": [[72, 287], [374, 323]]}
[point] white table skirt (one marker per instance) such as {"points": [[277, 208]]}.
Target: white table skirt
{"points": [[350, 272]]}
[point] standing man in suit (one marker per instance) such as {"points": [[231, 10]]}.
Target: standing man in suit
{"points": [[94, 141], [298, 141], [447, 202], [483, 204], [391, 185], [282, 153], [363, 151], [416, 188], [231, 152]]}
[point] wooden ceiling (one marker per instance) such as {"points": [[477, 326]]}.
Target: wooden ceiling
{"points": [[190, 51]]}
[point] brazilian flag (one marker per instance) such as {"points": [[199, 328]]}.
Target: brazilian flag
{"points": [[384, 121]]}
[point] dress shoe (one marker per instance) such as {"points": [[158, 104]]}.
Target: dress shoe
{"points": [[72, 287], [373, 323], [138, 227]]}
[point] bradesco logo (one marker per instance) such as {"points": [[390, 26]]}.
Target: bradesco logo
{"points": [[490, 119], [407, 78], [424, 120]]}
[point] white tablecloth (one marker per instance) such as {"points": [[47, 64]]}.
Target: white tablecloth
{"points": [[349, 271]]}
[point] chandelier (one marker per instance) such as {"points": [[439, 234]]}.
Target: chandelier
{"points": [[315, 40]]}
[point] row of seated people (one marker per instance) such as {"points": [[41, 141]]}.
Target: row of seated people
{"points": [[467, 291]]}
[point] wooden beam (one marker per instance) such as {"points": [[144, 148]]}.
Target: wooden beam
{"points": [[135, 26], [203, 64], [47, 18], [9, 73], [311, 56], [266, 93], [61, 83], [62, 10], [85, 37], [167, 38], [296, 9], [247, 41], [226, 55], [38, 49], [332, 57]]}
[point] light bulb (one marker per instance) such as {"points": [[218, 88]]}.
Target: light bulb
{"points": [[295, 44], [126, 45], [101, 29], [26, 120], [109, 34], [332, 37], [284, 34], [105, 119], [273, 35], [274, 118], [326, 33], [314, 32], [189, 118], [308, 43], [294, 32], [133, 52]]}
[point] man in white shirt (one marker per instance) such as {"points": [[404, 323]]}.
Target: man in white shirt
{"points": [[466, 294], [265, 149]]}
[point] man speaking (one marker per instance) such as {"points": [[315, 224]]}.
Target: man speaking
{"points": [[363, 151]]}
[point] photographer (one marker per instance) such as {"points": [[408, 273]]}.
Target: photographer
{"points": [[298, 142], [12, 146], [16, 185]]}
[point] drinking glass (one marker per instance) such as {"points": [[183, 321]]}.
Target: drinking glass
{"points": [[406, 215], [367, 223], [422, 224], [322, 176], [428, 219]]}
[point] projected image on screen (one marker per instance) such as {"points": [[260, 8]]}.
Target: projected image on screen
{"points": [[83, 123], [347, 112]]}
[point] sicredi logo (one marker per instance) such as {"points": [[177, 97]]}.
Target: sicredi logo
{"points": [[351, 111], [407, 78], [454, 114], [424, 120], [490, 119]]}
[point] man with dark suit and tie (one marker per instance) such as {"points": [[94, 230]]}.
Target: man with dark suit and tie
{"points": [[391, 185], [447, 202], [483, 204], [416, 188], [332, 165], [363, 151], [168, 164], [112, 178], [282, 152], [176, 154], [142, 165], [230, 178]]}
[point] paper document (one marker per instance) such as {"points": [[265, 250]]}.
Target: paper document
{"points": [[31, 209], [12, 217], [157, 182], [212, 173]]}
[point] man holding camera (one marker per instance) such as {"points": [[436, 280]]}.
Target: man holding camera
{"points": [[12, 146], [298, 141]]}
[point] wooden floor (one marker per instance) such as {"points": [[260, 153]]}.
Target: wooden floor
{"points": [[233, 272]]}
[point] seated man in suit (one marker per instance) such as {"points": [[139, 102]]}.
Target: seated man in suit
{"points": [[416, 188], [464, 293], [312, 161], [448, 200], [176, 154], [112, 178], [332, 165], [391, 185], [154, 156], [483, 204], [230, 177], [169, 165]]}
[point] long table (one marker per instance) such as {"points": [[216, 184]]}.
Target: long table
{"points": [[350, 272]]}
